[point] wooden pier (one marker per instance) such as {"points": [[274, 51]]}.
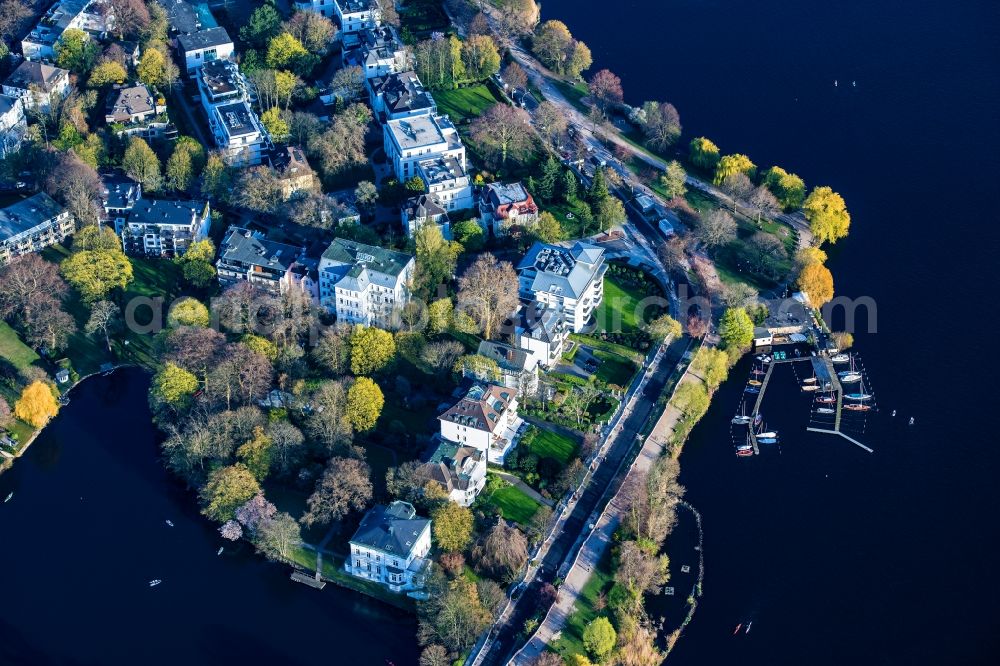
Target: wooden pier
{"points": [[305, 579], [825, 374]]}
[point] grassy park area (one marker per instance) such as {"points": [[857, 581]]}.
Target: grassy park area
{"points": [[464, 104], [587, 608]]}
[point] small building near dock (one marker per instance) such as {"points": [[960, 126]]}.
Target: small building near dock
{"points": [[761, 337]]}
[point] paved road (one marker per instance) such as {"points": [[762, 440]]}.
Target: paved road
{"points": [[592, 500]]}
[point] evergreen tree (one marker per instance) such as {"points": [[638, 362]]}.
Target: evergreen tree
{"points": [[598, 189], [546, 186], [568, 186]]}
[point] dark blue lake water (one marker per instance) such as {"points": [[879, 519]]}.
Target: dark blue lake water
{"points": [[85, 533], [839, 556]]}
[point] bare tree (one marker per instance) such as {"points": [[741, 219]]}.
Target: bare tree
{"points": [[763, 202], [326, 422], [243, 376], [344, 486], [514, 76], [639, 571], [131, 17], [501, 552], [47, 325], [348, 83], [716, 228], [104, 317], [194, 348], [441, 355], [671, 254], [551, 122], [487, 291], [28, 282], [503, 132], [738, 186]]}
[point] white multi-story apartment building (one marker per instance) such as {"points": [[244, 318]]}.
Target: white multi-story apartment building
{"points": [[390, 547], [37, 84], [486, 419], [541, 331], [160, 228], [204, 46], [395, 96], [445, 179], [409, 141], [12, 125], [91, 16], [364, 284], [31, 225], [460, 470], [236, 128], [568, 279], [357, 15]]}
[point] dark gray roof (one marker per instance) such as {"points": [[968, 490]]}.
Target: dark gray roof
{"points": [[506, 356], [204, 39], [26, 214], [424, 206], [448, 465], [402, 92], [377, 259], [181, 16], [392, 529], [237, 118], [31, 72], [561, 270], [7, 103], [541, 322], [120, 191], [242, 247], [160, 211], [221, 77]]}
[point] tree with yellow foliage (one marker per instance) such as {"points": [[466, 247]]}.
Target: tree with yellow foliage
{"points": [[730, 165], [37, 404], [827, 213], [816, 281]]}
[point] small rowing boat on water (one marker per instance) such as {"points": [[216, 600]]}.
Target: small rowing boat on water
{"points": [[8, 498], [858, 407], [755, 382], [840, 358], [744, 453], [737, 629], [825, 410], [221, 548], [810, 387], [826, 399], [170, 523], [751, 389], [809, 380]]}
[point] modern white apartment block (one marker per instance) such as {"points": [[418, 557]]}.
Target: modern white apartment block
{"points": [[460, 470], [204, 46], [402, 95], [235, 127], [485, 418], [409, 141], [221, 82], [390, 547], [357, 15], [446, 180], [364, 284], [91, 16], [568, 279], [31, 225], [12, 125], [118, 196], [380, 51], [37, 84], [161, 228]]}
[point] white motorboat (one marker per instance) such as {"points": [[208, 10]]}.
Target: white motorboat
{"points": [[810, 387], [809, 380], [8, 498], [850, 378], [170, 523], [826, 410], [221, 548], [767, 435], [155, 582], [840, 358]]}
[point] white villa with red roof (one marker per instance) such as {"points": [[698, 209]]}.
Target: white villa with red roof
{"points": [[486, 419]]}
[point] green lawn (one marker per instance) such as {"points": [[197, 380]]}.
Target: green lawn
{"points": [[597, 343], [514, 504], [151, 278], [465, 104], [614, 369], [550, 444], [14, 350], [574, 93], [619, 310], [571, 640]]}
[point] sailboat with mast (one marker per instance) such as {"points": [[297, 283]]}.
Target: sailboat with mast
{"points": [[742, 418], [849, 376], [860, 395]]}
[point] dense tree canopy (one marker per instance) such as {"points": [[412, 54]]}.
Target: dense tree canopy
{"points": [[827, 215]]}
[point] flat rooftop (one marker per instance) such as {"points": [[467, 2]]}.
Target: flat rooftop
{"points": [[441, 170], [238, 119]]}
